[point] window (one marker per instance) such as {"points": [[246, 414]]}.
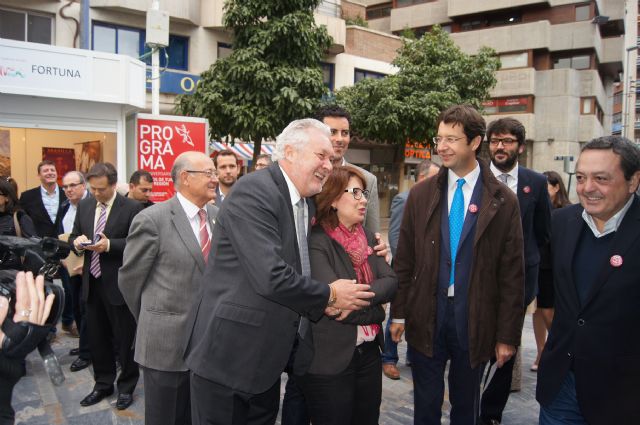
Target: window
{"points": [[575, 62], [514, 60], [130, 41], [590, 106], [583, 13], [401, 3], [224, 50], [361, 74], [379, 11], [23, 26], [327, 74]]}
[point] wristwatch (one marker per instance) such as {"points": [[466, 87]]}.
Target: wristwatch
{"points": [[332, 297]]}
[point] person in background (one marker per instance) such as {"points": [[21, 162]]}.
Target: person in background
{"points": [[141, 187], [262, 161], [543, 316], [228, 168], [13, 220]]}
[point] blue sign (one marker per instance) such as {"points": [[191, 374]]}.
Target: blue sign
{"points": [[175, 82]]}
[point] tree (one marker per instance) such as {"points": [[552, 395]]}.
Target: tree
{"points": [[433, 75], [272, 77]]}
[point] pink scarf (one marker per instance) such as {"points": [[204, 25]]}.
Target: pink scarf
{"points": [[356, 246]]}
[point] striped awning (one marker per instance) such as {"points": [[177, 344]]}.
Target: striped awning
{"points": [[243, 150]]}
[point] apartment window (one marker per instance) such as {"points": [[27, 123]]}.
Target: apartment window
{"points": [[328, 72], [514, 60], [590, 106], [329, 8], [130, 41], [224, 50], [379, 11], [508, 105], [361, 74], [25, 26], [583, 13], [574, 62], [401, 3]]}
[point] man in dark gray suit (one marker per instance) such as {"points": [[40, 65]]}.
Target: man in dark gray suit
{"points": [[166, 252], [257, 285]]}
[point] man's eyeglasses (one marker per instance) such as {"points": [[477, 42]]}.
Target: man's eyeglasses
{"points": [[208, 173], [507, 142], [357, 193], [70, 186], [449, 140]]}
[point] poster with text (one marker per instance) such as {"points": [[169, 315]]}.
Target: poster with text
{"points": [[63, 158], [159, 140]]}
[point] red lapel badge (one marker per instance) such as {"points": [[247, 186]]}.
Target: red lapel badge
{"points": [[526, 189], [473, 208], [616, 260], [313, 221]]}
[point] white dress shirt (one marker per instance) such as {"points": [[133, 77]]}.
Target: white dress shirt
{"points": [[191, 210], [70, 217], [295, 198], [611, 225], [51, 202], [512, 176]]}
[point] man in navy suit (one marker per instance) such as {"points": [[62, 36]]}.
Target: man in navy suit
{"points": [[506, 138], [590, 367], [43, 203], [460, 271]]}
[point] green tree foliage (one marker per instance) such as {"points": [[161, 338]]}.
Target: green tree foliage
{"points": [[433, 75], [272, 77]]}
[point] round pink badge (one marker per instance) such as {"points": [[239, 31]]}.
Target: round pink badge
{"points": [[473, 208], [526, 189], [616, 261]]}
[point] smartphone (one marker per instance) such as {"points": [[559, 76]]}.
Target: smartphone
{"points": [[88, 243]]}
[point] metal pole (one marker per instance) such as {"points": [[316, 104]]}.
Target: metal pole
{"points": [[628, 75], [84, 25], [155, 73]]}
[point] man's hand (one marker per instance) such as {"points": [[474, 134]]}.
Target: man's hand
{"points": [[396, 330], [503, 353], [382, 249], [77, 242], [351, 295], [100, 246]]}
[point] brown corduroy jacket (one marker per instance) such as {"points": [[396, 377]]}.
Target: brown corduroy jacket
{"points": [[496, 290]]}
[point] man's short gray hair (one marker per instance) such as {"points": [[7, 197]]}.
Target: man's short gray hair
{"points": [[184, 161], [296, 134], [77, 173]]}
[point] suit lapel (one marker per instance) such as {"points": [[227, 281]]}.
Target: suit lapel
{"points": [[472, 217], [279, 180], [114, 214], [91, 216], [571, 238], [626, 235], [183, 227]]}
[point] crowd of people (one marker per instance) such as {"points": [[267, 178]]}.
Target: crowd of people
{"points": [[218, 291]]}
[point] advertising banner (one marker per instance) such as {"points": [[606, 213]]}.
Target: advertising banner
{"points": [[159, 141]]}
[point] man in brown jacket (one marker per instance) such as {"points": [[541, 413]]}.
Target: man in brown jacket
{"points": [[460, 268]]}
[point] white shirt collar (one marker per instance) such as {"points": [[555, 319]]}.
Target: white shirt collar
{"points": [[469, 179], [293, 191], [611, 225], [44, 191], [513, 173], [189, 207], [110, 202]]}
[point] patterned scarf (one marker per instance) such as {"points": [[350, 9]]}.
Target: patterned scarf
{"points": [[356, 246]]}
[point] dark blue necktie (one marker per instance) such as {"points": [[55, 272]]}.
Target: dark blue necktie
{"points": [[456, 221]]}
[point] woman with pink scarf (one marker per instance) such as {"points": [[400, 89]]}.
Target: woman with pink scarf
{"points": [[341, 352]]}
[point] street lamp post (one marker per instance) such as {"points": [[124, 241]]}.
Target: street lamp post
{"points": [[628, 77]]}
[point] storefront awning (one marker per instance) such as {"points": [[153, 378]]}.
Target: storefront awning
{"points": [[243, 150]]}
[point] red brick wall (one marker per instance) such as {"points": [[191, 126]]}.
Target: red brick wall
{"points": [[353, 10]]}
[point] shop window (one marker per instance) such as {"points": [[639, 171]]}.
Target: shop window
{"points": [[508, 105], [224, 50], [23, 26], [514, 60], [131, 42], [574, 62], [379, 11], [361, 74], [583, 13], [328, 71]]}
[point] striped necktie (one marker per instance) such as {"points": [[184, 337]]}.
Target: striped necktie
{"points": [[205, 242], [95, 257]]}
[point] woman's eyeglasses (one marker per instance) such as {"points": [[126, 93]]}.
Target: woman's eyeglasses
{"points": [[357, 193]]}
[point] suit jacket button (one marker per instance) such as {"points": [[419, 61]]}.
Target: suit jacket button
{"points": [[580, 322], [568, 354]]}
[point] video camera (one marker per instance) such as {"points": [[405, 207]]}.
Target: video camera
{"points": [[41, 257]]}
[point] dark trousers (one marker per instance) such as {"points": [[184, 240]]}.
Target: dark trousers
{"points": [[108, 326], [11, 370], [67, 312], [428, 378], [80, 315], [167, 398], [496, 394], [216, 404], [294, 407], [350, 397]]}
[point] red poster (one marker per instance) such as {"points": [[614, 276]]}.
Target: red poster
{"points": [[65, 160], [160, 139]]}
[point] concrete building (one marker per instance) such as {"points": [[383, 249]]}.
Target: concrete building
{"points": [[562, 61]]}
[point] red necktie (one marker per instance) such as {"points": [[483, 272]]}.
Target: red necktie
{"points": [[205, 242]]}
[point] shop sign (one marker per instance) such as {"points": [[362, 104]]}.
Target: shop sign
{"points": [[159, 141], [418, 150], [175, 82]]}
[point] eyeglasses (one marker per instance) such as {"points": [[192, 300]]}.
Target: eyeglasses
{"points": [[208, 173], [506, 142], [70, 186], [449, 140], [357, 193]]}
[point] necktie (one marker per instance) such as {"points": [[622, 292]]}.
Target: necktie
{"points": [[504, 178], [456, 221], [301, 230], [205, 242], [95, 257]]}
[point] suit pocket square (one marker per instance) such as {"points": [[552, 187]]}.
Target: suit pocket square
{"points": [[241, 314]]}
